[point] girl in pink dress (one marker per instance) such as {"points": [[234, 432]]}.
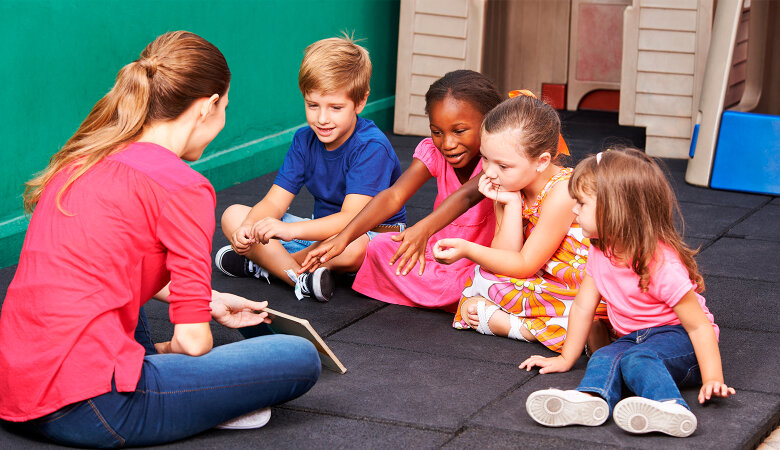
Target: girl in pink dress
{"points": [[455, 104]]}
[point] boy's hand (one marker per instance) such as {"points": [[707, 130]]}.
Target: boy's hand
{"points": [[546, 365], [242, 239], [714, 388], [448, 251], [493, 192], [411, 251], [322, 252], [269, 228]]}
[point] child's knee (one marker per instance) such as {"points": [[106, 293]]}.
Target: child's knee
{"points": [[233, 216]]}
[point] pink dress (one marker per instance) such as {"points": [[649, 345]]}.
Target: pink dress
{"points": [[440, 285]]}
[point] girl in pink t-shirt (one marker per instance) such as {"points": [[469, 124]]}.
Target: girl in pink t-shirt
{"points": [[640, 265], [455, 105]]}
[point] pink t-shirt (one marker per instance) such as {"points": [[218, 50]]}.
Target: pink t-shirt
{"points": [[140, 218], [629, 309]]}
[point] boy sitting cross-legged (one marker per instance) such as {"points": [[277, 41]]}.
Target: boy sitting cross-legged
{"points": [[341, 158]]}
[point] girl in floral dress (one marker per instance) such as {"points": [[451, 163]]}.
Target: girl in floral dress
{"points": [[524, 283]]}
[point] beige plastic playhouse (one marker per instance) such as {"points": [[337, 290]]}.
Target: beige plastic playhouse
{"points": [[643, 58]]}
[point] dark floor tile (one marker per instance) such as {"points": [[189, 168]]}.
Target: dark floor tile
{"points": [[744, 304], [763, 224], [689, 193], [417, 389], [776, 201], [729, 422], [431, 332], [345, 307], [12, 438], [302, 430], [741, 258], [751, 360], [696, 243], [707, 221], [6, 275], [491, 438]]}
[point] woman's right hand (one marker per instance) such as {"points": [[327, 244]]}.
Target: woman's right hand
{"points": [[412, 249], [243, 239], [322, 253]]}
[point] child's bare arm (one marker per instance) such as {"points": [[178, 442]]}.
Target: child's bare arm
{"points": [[705, 344], [580, 320], [273, 205], [381, 207], [415, 239], [311, 230], [554, 222]]}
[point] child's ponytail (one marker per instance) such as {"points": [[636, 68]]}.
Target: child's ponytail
{"points": [[173, 71]]}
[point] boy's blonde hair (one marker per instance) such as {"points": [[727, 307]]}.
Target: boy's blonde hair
{"points": [[333, 64]]}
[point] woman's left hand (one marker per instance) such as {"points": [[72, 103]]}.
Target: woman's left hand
{"points": [[233, 311]]}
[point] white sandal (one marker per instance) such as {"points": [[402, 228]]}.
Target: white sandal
{"points": [[484, 315], [514, 329]]}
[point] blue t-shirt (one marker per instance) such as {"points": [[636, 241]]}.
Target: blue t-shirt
{"points": [[365, 164]]}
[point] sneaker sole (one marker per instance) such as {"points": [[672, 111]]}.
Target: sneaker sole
{"points": [[640, 415], [218, 260], [548, 407], [323, 285], [250, 421]]}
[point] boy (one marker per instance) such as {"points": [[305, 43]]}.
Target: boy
{"points": [[341, 158]]}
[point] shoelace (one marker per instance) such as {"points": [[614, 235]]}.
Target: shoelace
{"points": [[300, 284], [258, 271]]}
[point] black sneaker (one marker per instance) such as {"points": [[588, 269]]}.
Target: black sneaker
{"points": [[234, 265], [319, 284]]}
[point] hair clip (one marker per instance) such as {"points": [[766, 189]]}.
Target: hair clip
{"points": [[598, 157]]}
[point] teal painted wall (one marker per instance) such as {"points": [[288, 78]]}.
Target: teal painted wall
{"points": [[60, 56]]}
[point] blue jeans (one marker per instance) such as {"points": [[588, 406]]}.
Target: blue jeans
{"points": [[178, 396], [651, 363], [297, 245]]}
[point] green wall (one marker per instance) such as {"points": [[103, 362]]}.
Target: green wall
{"points": [[60, 56]]}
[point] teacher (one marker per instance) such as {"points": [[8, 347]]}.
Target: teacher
{"points": [[119, 218]]}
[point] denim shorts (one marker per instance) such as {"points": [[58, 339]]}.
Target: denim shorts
{"points": [[297, 245]]}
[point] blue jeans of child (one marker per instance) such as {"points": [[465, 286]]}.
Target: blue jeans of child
{"points": [[179, 396], [651, 363]]}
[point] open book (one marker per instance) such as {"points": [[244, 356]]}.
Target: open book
{"points": [[286, 324]]}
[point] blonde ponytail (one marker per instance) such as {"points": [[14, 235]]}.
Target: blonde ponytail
{"points": [[174, 70]]}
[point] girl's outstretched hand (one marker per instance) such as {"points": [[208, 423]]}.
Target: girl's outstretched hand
{"points": [[233, 311], [714, 388], [411, 251], [546, 365], [323, 252], [493, 192], [447, 251]]}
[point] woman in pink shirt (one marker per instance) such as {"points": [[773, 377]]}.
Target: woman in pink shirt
{"points": [[648, 277], [119, 217]]}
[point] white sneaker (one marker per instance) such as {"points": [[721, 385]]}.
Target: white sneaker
{"points": [[249, 421], [557, 408], [642, 415]]}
